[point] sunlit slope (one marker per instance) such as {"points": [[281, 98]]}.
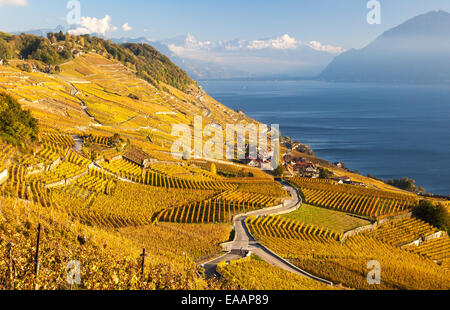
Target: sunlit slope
{"points": [[339, 172], [95, 94], [48, 97]]}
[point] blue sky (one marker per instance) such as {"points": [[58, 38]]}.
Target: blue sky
{"points": [[335, 22]]}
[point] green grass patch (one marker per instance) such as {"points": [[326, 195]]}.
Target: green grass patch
{"points": [[334, 220]]}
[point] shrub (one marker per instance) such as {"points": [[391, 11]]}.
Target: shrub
{"points": [[17, 126], [435, 214]]}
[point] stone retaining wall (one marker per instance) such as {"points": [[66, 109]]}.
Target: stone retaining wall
{"points": [[372, 227], [67, 181]]}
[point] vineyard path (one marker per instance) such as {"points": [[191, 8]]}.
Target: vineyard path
{"points": [[244, 242]]}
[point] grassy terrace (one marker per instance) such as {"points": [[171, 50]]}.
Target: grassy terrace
{"points": [[334, 220]]}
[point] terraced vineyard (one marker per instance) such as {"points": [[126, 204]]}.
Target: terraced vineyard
{"points": [[129, 204], [254, 274], [65, 141], [5, 151], [100, 180], [333, 220], [97, 181], [438, 250], [61, 172], [110, 261], [102, 140], [134, 173], [371, 203], [345, 262], [219, 209], [194, 240], [402, 232], [277, 226]]}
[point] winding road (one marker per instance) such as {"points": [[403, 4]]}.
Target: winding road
{"points": [[244, 242], [83, 104], [200, 100]]}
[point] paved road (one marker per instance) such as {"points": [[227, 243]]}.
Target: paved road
{"points": [[83, 104], [244, 242], [200, 100], [78, 143]]}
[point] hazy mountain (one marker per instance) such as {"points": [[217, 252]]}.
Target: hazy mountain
{"points": [[282, 56], [42, 32], [416, 51], [277, 56]]}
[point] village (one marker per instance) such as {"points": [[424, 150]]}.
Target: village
{"points": [[295, 164]]}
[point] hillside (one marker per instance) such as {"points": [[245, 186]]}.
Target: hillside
{"points": [[96, 185], [58, 48], [415, 51], [129, 89]]}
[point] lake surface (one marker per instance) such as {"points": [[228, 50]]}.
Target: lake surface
{"points": [[387, 131]]}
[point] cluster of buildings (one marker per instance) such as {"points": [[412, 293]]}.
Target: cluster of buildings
{"points": [[259, 162], [301, 166], [263, 159]]}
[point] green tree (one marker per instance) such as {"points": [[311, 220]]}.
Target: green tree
{"points": [[325, 173], [406, 184], [279, 171], [5, 50], [435, 214], [17, 126]]}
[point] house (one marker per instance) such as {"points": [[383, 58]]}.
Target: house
{"points": [[302, 160], [343, 180], [340, 165], [252, 163], [137, 156], [306, 169]]}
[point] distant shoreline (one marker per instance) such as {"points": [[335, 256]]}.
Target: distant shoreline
{"points": [[379, 137]]}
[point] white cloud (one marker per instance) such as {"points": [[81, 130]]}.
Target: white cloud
{"points": [[282, 50], [126, 27], [281, 43], [192, 43], [325, 48], [90, 25], [13, 2]]}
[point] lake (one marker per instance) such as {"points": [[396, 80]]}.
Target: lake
{"points": [[389, 131]]}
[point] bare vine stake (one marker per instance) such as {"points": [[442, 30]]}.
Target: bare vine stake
{"points": [[11, 268], [143, 261], [36, 256]]}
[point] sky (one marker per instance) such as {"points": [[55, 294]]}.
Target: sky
{"points": [[334, 22]]}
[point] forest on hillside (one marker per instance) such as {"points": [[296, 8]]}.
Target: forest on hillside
{"points": [[58, 48]]}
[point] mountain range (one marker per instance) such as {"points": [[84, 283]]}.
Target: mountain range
{"points": [[415, 51], [282, 56]]}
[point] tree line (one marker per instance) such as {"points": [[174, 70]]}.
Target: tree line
{"points": [[57, 48]]}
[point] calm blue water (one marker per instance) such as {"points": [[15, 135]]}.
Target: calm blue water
{"points": [[387, 131]]}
